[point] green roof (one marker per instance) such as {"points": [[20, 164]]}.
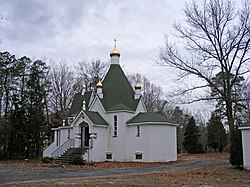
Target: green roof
{"points": [[118, 94], [76, 105], [96, 118], [148, 117], [247, 124]]}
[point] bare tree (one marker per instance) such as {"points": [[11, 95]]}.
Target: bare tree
{"points": [[62, 89], [216, 38], [152, 95], [89, 73]]}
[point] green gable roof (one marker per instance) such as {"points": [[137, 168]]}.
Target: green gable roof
{"points": [[117, 91], [149, 117], [96, 118], [76, 105]]}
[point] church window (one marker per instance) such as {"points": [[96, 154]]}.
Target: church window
{"points": [[68, 134], [138, 131], [58, 134], [108, 156], [115, 126], [138, 156]]}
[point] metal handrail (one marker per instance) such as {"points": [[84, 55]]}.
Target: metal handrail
{"points": [[61, 149]]}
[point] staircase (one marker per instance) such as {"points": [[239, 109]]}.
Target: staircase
{"points": [[71, 155]]}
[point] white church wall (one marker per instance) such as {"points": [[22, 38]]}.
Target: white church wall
{"points": [[162, 143], [246, 148], [157, 143], [75, 131], [64, 136], [97, 107], [117, 145], [137, 144], [140, 107], [100, 144]]}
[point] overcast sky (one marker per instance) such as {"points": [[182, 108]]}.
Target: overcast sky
{"points": [[77, 30]]}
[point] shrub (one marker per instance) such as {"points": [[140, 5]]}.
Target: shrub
{"points": [[47, 160], [78, 160]]}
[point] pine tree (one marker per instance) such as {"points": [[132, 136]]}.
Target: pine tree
{"points": [[216, 134], [37, 89], [191, 138], [181, 118]]}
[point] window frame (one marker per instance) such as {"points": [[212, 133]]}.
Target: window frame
{"points": [[115, 125], [109, 156], [138, 156], [138, 128], [68, 137]]}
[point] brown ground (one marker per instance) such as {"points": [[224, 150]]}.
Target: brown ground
{"points": [[37, 164], [210, 176]]}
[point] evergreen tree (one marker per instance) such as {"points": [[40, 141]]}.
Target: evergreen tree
{"points": [[236, 152], [216, 134], [23, 91], [181, 118], [8, 72], [191, 137], [37, 89]]}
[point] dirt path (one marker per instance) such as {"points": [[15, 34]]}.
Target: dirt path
{"points": [[11, 173]]}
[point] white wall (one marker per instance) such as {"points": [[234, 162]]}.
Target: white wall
{"points": [[100, 144], [246, 148], [137, 144], [162, 143], [156, 142], [117, 145], [76, 130], [64, 136], [140, 107], [47, 152], [97, 107]]}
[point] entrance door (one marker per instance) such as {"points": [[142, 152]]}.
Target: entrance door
{"points": [[86, 137]]}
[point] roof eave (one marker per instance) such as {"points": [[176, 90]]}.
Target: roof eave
{"points": [[101, 125], [115, 111], [244, 128], [152, 123]]}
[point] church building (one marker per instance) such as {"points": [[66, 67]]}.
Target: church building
{"points": [[112, 124]]}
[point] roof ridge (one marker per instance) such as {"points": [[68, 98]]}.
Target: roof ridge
{"points": [[117, 89]]}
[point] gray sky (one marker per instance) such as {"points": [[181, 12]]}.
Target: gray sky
{"points": [[79, 30]]}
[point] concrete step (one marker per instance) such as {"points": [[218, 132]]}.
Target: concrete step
{"points": [[71, 154]]}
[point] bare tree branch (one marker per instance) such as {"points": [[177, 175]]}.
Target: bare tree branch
{"points": [[216, 41]]}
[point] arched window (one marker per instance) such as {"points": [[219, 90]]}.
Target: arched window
{"points": [[115, 126], [138, 131], [68, 134]]}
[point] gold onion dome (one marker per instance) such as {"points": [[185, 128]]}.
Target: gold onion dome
{"points": [[115, 52], [84, 102], [99, 84], [138, 86]]}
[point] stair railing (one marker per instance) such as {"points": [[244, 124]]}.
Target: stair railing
{"points": [[62, 148]]}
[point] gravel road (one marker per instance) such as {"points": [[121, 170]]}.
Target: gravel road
{"points": [[11, 173]]}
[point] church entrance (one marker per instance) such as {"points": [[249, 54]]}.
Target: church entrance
{"points": [[84, 134]]}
